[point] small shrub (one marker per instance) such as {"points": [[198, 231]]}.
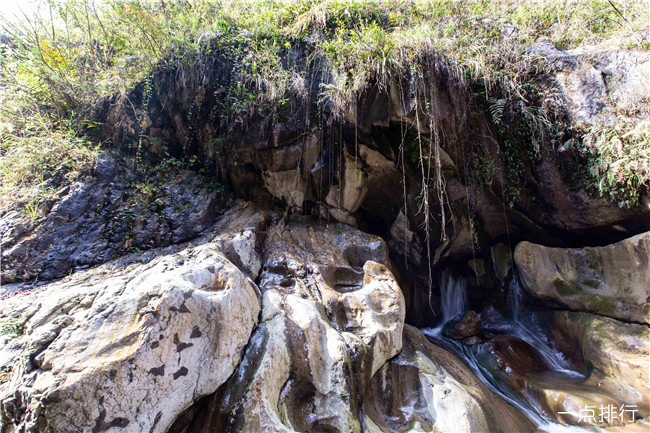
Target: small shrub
{"points": [[37, 164], [620, 159]]}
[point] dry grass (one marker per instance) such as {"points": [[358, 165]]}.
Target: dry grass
{"points": [[57, 66]]}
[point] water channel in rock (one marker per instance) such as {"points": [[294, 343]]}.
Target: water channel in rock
{"points": [[520, 322]]}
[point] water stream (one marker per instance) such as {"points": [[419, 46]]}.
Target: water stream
{"points": [[522, 323]]}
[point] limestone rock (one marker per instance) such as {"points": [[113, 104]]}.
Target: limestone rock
{"points": [[567, 400], [126, 349], [501, 261], [427, 388], [332, 315], [615, 355], [286, 185], [613, 280], [350, 192], [595, 81], [403, 239]]}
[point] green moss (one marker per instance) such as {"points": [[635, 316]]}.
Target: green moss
{"points": [[600, 303], [580, 318], [566, 289], [482, 166], [590, 283], [12, 327]]}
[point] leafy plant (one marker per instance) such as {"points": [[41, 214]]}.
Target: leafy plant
{"points": [[12, 327], [620, 159], [5, 374], [32, 211]]}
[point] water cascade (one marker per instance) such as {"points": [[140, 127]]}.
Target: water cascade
{"points": [[521, 322]]}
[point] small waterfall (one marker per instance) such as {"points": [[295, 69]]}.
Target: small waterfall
{"points": [[453, 301], [453, 296], [524, 324]]}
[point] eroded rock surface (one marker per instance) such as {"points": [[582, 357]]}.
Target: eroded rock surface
{"points": [[595, 82], [332, 315], [427, 388], [615, 355], [467, 326], [613, 280], [566, 398], [126, 349]]}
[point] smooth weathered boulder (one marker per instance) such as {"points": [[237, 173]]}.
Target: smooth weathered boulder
{"points": [[567, 399], [615, 355], [613, 280], [126, 348], [332, 315], [512, 360], [427, 388], [467, 326]]}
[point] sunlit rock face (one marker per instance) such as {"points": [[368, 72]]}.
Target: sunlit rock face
{"points": [[332, 315], [128, 348], [613, 280], [132, 350]]}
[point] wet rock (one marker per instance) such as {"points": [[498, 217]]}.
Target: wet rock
{"points": [[477, 266], [512, 359], [427, 388], [116, 213], [613, 280], [569, 400], [614, 355], [404, 241], [470, 341], [467, 326], [286, 185], [349, 194], [126, 347], [501, 261]]}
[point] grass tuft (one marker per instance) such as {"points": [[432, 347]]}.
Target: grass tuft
{"points": [[58, 63]]}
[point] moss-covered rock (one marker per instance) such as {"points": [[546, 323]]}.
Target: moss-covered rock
{"points": [[614, 355], [613, 280]]}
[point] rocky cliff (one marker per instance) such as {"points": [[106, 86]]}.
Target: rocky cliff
{"points": [[265, 271]]}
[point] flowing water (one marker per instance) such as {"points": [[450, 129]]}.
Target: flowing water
{"points": [[522, 323]]}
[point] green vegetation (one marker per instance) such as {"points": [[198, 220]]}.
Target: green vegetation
{"points": [[5, 374], [12, 327], [601, 304], [58, 65], [37, 163], [567, 288], [620, 158]]}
